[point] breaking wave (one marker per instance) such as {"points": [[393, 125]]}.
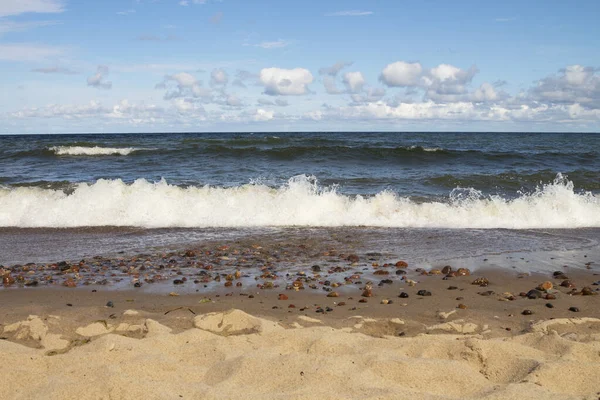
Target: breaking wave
{"points": [[300, 202], [92, 151]]}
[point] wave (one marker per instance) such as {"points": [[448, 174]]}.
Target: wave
{"points": [[92, 151], [300, 202]]}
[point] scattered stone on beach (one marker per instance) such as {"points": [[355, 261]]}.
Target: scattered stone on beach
{"points": [[527, 312], [534, 294], [452, 287], [486, 293], [481, 282], [110, 304], [462, 306], [315, 268], [549, 305], [178, 282], [567, 283], [435, 272], [423, 293], [401, 264], [291, 306], [70, 283], [385, 301], [550, 296], [173, 294], [381, 272], [545, 286], [400, 272], [587, 291], [574, 309], [282, 296], [368, 291], [463, 272], [353, 258], [190, 253], [403, 295], [446, 270], [333, 294], [362, 301]]}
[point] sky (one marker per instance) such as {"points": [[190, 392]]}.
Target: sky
{"points": [[79, 66]]}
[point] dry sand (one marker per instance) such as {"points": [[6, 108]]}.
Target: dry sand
{"points": [[233, 355]]}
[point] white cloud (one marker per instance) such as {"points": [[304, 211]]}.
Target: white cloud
{"points": [[278, 81], [126, 12], [98, 80], [218, 76], [28, 52], [402, 74], [233, 101], [354, 81], [12, 26], [263, 115], [330, 86], [268, 102], [187, 86], [16, 7], [349, 13], [276, 44], [574, 84]]}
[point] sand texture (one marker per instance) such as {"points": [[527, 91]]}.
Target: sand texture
{"points": [[234, 355]]}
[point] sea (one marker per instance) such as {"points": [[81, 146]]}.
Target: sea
{"points": [[69, 196]]}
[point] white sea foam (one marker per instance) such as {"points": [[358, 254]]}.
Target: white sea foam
{"points": [[91, 151], [301, 202]]}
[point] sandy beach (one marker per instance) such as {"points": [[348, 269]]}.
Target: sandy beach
{"points": [[301, 319]]}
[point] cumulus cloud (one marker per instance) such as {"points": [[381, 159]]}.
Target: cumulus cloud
{"points": [[263, 115], [286, 82], [242, 77], [402, 74], [574, 84], [354, 81], [98, 80], [218, 76], [183, 84], [16, 7], [55, 70]]}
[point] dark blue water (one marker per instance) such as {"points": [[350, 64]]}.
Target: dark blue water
{"points": [[413, 164]]}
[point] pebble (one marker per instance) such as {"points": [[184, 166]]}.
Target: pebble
{"points": [[452, 287], [403, 295], [549, 305], [446, 270], [362, 301], [110, 304], [486, 293], [423, 293], [400, 272], [480, 282], [545, 286], [534, 294], [282, 296], [574, 309], [567, 283], [462, 306], [550, 297], [333, 294], [385, 301], [352, 258], [401, 264], [527, 312], [463, 272]]}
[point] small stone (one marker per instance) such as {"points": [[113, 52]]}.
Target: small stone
{"points": [[315, 268], [333, 294], [282, 296], [328, 309], [251, 296], [341, 303], [173, 294], [574, 309], [137, 284], [446, 270], [423, 293], [177, 282], [463, 272], [527, 312], [381, 272], [291, 306], [480, 282], [400, 272], [534, 294], [228, 284], [368, 292], [403, 295], [352, 258], [401, 264], [587, 291], [549, 305], [362, 301], [452, 287], [567, 283], [545, 286], [550, 297], [462, 306], [486, 293], [385, 301], [435, 272], [110, 304]]}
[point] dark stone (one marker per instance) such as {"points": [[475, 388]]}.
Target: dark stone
{"points": [[534, 294], [137, 284], [110, 304], [403, 295], [316, 268], [352, 258], [386, 281], [177, 282], [527, 312], [452, 287], [400, 272], [549, 305], [423, 293], [574, 309]]}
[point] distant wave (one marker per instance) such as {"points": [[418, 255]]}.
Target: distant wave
{"points": [[92, 151], [300, 202]]}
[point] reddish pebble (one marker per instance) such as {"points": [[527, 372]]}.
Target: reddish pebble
{"points": [[283, 297]]}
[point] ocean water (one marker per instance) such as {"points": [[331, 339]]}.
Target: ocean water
{"points": [[238, 180]]}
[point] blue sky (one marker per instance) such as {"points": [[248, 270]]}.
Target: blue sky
{"points": [[233, 65]]}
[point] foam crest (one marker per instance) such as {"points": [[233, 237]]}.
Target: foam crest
{"points": [[301, 202], [91, 151]]}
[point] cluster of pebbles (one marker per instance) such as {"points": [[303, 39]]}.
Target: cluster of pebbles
{"points": [[288, 267]]}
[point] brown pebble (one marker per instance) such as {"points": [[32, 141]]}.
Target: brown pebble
{"points": [[480, 282], [550, 297], [527, 312], [567, 283], [291, 306], [446, 270], [341, 303], [463, 272], [545, 286], [462, 306], [333, 294], [283, 297], [401, 264], [352, 258], [362, 301]]}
